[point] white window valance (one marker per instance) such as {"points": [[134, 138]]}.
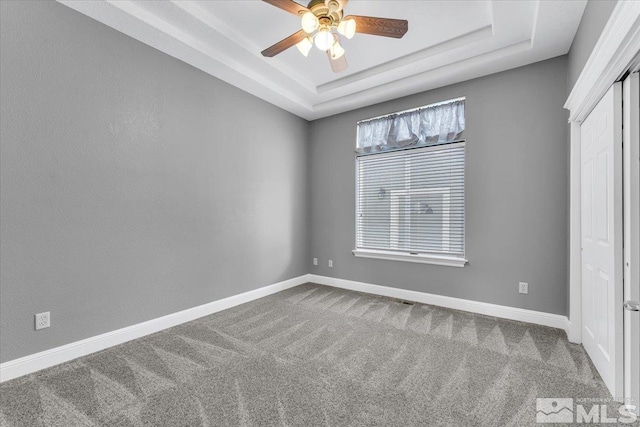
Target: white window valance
{"points": [[429, 125]]}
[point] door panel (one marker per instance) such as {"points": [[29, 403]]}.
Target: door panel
{"points": [[588, 309], [601, 201], [601, 136], [587, 219], [602, 320]]}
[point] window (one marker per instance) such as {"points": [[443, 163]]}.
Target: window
{"points": [[410, 203]]}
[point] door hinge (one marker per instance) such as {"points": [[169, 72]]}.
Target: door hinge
{"points": [[632, 305]]}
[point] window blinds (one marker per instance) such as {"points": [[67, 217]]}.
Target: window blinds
{"points": [[412, 201]]}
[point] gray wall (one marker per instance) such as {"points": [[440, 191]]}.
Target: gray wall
{"points": [[132, 185], [516, 193], [595, 17]]}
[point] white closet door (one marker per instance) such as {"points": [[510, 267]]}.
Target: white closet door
{"points": [[602, 290]]}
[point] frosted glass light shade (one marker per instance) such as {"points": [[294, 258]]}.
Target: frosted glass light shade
{"points": [[324, 39], [347, 27], [305, 46], [309, 22], [336, 50]]}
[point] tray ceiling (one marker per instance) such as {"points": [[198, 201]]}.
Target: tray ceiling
{"points": [[447, 42]]}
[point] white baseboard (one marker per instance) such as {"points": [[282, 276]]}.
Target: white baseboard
{"points": [[573, 332], [502, 311], [35, 362], [45, 359]]}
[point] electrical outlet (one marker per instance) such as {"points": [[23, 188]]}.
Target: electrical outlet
{"points": [[315, 261], [331, 263], [43, 320], [523, 287]]}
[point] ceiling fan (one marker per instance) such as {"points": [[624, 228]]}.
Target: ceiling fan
{"points": [[318, 21]]}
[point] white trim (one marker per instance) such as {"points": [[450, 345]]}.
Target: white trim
{"points": [[501, 311], [407, 257], [631, 203], [575, 240], [616, 48], [44, 359]]}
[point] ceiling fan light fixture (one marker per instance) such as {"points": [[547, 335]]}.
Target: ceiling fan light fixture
{"points": [[318, 20], [324, 39], [347, 27], [335, 5], [305, 46], [309, 22], [336, 50]]}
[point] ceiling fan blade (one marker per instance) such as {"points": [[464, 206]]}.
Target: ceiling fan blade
{"points": [[284, 44], [288, 6], [380, 26], [337, 65]]}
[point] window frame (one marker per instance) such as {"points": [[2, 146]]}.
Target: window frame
{"points": [[406, 256]]}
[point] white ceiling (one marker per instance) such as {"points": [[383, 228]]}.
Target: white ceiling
{"points": [[447, 42]]}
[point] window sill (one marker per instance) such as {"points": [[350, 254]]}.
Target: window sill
{"points": [[421, 258]]}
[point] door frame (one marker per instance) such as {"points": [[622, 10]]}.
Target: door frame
{"points": [[631, 213], [611, 57]]}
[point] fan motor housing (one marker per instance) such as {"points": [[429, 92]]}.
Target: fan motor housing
{"points": [[320, 9]]}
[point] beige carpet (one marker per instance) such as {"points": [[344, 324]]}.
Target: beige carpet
{"points": [[314, 356]]}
